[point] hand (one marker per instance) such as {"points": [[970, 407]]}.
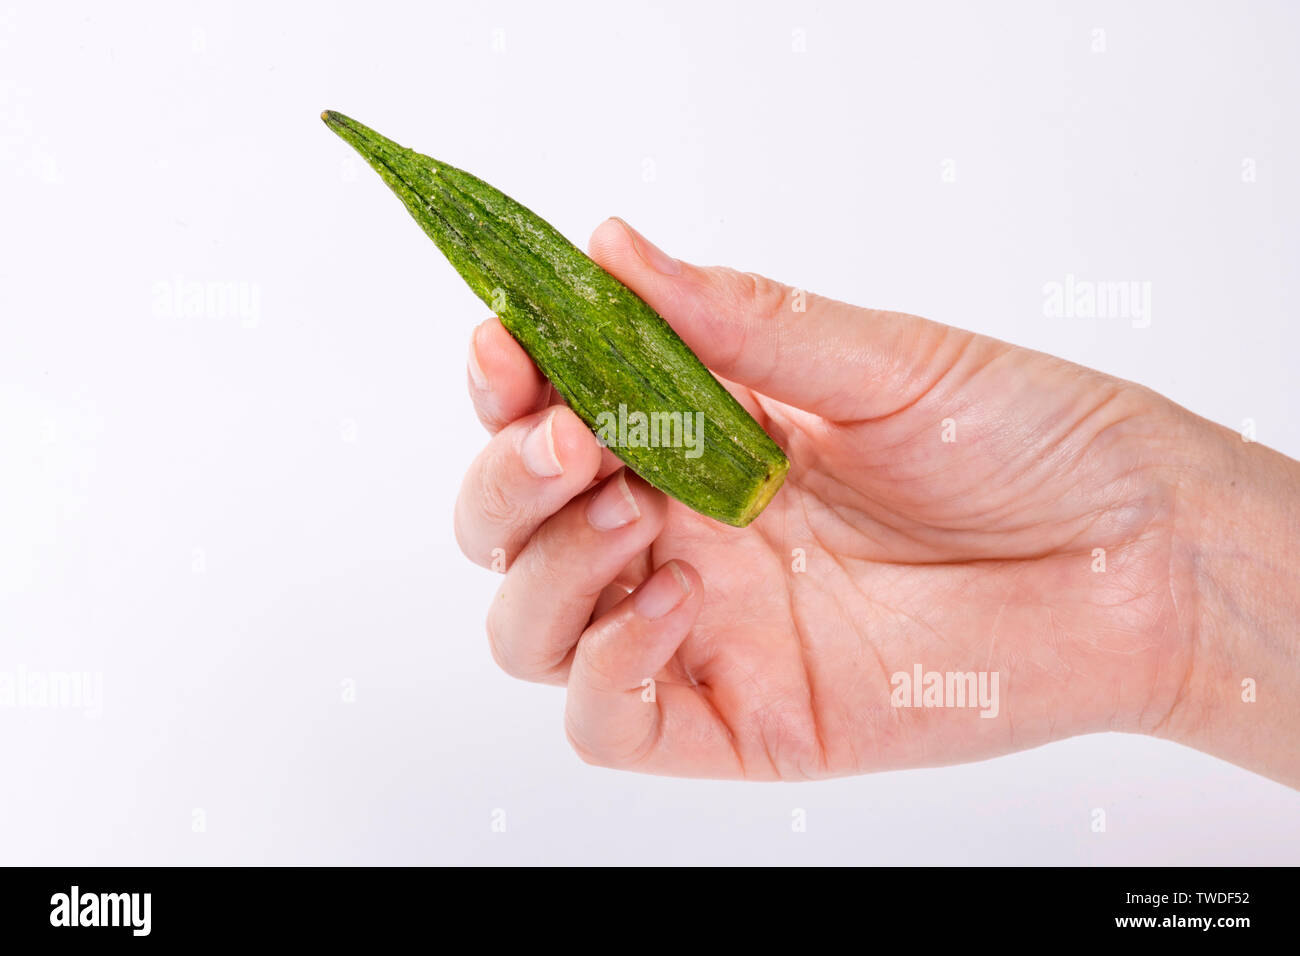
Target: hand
{"points": [[954, 504]]}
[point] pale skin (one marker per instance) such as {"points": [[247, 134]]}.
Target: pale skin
{"points": [[956, 502]]}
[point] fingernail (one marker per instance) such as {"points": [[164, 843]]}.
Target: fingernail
{"points": [[613, 507], [666, 589], [654, 257], [539, 450], [475, 370]]}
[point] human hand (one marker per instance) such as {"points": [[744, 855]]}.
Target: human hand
{"points": [[961, 506]]}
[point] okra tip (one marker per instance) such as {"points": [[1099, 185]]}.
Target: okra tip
{"points": [[340, 123]]}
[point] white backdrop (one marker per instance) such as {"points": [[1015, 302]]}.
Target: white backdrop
{"points": [[236, 514]]}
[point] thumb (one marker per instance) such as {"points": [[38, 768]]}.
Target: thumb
{"points": [[839, 361]]}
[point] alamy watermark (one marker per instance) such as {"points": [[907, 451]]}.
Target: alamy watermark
{"points": [[127, 910], [922, 688], [53, 690], [182, 298], [625, 429], [1092, 299]]}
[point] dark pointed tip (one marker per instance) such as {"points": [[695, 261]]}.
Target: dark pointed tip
{"points": [[345, 126], [359, 136], [341, 125], [337, 121]]}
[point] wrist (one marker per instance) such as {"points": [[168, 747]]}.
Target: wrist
{"points": [[1237, 527]]}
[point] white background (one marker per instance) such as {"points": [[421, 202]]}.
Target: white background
{"points": [[230, 517]]}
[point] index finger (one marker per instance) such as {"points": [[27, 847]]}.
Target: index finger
{"points": [[504, 384]]}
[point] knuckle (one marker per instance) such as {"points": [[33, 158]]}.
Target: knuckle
{"points": [[548, 560], [629, 753], [758, 303], [498, 642], [465, 538], [495, 503], [763, 297], [585, 753], [459, 533], [600, 665], [749, 302], [520, 649]]}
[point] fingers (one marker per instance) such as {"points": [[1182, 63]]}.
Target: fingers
{"points": [[527, 472], [842, 362], [504, 384], [552, 588], [620, 712]]}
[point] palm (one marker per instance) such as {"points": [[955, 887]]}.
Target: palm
{"points": [[954, 505], [954, 545]]}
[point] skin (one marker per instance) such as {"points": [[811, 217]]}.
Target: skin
{"points": [[949, 493]]}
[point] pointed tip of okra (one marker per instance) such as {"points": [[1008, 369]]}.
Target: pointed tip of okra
{"points": [[344, 125], [334, 120], [362, 138]]}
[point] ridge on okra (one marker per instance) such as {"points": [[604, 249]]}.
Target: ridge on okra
{"points": [[613, 359]]}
